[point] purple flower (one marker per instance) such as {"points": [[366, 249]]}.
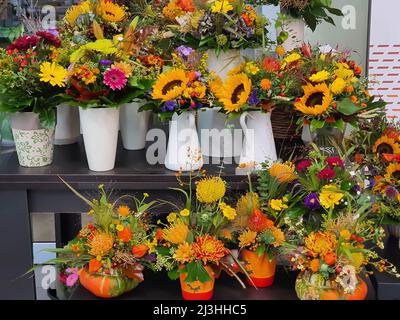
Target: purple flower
{"points": [[253, 99], [184, 51], [312, 202], [106, 62], [391, 192], [71, 279], [54, 32], [197, 74], [169, 106], [151, 257]]}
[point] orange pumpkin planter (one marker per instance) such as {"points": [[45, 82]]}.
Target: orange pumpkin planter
{"points": [[260, 268], [197, 290], [360, 293], [105, 286]]}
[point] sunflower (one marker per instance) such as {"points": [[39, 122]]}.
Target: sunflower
{"points": [[393, 171], [316, 100], [210, 190], [100, 244], [111, 12], [235, 92], [247, 238], [53, 74], [73, 13], [177, 233], [386, 145], [283, 172], [209, 249], [184, 253], [170, 85]]}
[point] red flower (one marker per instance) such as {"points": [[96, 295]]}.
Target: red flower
{"points": [[49, 38], [335, 162], [270, 64], [306, 50], [303, 165], [24, 43], [327, 173]]}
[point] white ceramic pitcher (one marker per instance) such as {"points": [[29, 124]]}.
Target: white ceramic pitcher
{"points": [[296, 30], [183, 151], [259, 144]]}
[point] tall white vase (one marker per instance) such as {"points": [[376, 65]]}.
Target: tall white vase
{"points": [[296, 30], [259, 144], [219, 137], [133, 125], [183, 151], [100, 134], [224, 62], [68, 125]]}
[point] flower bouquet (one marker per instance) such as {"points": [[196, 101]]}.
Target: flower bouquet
{"points": [[30, 79], [109, 254], [191, 249]]}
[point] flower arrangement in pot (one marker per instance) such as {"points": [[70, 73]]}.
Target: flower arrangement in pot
{"points": [[191, 249], [30, 78], [180, 91], [334, 93], [109, 254]]}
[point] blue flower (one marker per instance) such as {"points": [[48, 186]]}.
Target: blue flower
{"points": [[312, 201], [106, 62], [184, 51], [169, 106], [253, 99]]}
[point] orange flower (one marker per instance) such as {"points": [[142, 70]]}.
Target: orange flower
{"points": [[350, 89], [258, 222], [265, 84], [314, 265], [125, 235], [159, 234], [358, 158], [94, 265], [124, 211], [209, 249], [330, 259], [271, 64], [354, 99], [139, 251], [186, 5]]}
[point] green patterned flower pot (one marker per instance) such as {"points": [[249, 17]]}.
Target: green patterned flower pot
{"points": [[34, 144]]}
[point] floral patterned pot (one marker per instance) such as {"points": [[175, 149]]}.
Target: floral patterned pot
{"points": [[34, 144], [198, 290], [260, 268]]}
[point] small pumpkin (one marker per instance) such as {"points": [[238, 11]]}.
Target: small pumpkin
{"points": [[106, 286]]}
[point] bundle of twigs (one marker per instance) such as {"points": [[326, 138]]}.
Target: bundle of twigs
{"points": [[294, 4]]}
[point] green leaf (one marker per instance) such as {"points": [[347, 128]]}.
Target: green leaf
{"points": [[260, 250], [173, 274], [348, 107], [316, 124], [296, 212], [340, 124], [197, 272]]}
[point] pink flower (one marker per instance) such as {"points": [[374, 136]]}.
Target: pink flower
{"points": [[327, 173], [71, 279], [303, 165], [115, 79], [335, 162]]}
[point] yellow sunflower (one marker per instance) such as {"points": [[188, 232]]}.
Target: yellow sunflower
{"points": [[235, 92], [386, 145], [283, 172], [53, 74], [73, 13], [316, 100], [170, 85], [393, 171], [210, 190], [111, 12], [177, 233]]}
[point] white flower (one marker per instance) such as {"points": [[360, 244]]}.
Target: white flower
{"points": [[326, 49]]}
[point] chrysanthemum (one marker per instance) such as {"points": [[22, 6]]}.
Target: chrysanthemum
{"points": [[184, 253], [210, 189], [100, 244], [170, 85], [111, 12], [73, 13], [316, 100], [208, 249], [278, 235], [321, 243], [393, 171], [115, 79], [386, 145], [247, 238], [235, 92], [283, 172], [53, 74], [177, 233]]}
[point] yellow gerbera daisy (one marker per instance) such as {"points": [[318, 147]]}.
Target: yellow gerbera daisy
{"points": [[393, 171], [73, 13], [170, 85], [53, 74], [210, 190], [316, 100], [386, 145], [320, 76], [283, 172], [330, 196], [290, 59], [235, 92], [111, 12], [247, 238], [177, 233]]}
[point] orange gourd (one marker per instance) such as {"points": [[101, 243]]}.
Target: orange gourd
{"points": [[360, 293]]}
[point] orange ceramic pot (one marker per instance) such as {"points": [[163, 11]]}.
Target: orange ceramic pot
{"points": [[260, 268], [197, 290]]}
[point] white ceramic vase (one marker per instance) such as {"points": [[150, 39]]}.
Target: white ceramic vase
{"points": [[296, 30], [68, 125], [133, 125], [183, 151], [224, 62], [100, 134], [34, 144], [219, 137], [259, 144]]}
